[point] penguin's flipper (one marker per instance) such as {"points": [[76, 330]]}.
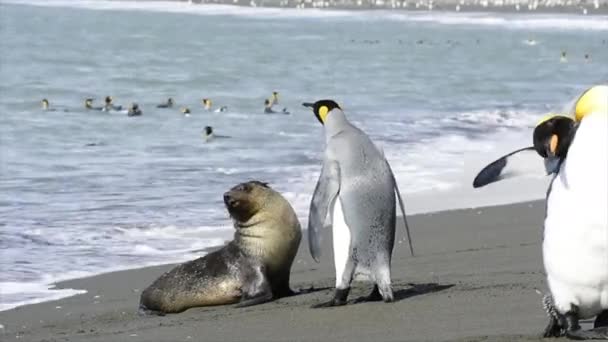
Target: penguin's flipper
{"points": [[328, 187], [500, 169], [401, 206]]}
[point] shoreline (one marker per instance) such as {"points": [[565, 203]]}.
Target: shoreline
{"points": [[598, 7], [524, 7], [471, 267], [57, 285]]}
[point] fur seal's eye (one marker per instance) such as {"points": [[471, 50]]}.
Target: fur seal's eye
{"points": [[243, 187]]}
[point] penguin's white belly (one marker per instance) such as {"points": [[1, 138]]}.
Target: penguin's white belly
{"points": [[342, 243], [575, 245]]}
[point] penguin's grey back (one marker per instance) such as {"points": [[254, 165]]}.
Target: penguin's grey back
{"points": [[366, 193]]}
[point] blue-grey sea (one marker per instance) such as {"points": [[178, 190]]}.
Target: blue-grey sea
{"points": [[85, 192]]}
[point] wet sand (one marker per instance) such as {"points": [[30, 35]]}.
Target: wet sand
{"points": [[474, 278]]}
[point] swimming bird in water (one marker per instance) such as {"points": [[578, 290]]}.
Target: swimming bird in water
{"points": [[268, 108], [587, 58], [88, 104], [222, 109], [207, 104], [563, 58], [209, 134], [274, 99], [134, 110], [110, 106], [47, 107], [185, 111], [167, 104]]}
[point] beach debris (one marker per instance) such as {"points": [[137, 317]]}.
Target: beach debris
{"points": [[133, 335], [97, 296], [58, 307]]}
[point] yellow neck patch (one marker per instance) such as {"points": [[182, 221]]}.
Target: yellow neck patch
{"points": [[323, 111], [594, 100]]}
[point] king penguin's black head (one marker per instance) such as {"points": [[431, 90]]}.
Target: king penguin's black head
{"points": [[552, 137], [322, 108]]}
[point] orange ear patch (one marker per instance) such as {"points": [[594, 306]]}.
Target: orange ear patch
{"points": [[553, 143]]}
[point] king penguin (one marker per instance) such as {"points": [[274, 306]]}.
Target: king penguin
{"points": [[575, 244], [357, 188], [575, 237]]}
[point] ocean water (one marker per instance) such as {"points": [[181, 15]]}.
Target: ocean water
{"points": [[85, 192]]}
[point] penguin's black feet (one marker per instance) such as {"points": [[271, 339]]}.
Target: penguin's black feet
{"points": [[375, 296], [554, 329], [593, 334], [575, 332], [557, 322], [601, 320], [338, 300]]}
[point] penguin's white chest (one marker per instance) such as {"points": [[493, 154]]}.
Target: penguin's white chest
{"points": [[575, 245]]}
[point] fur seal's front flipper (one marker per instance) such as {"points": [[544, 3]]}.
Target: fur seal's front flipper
{"points": [[325, 193], [144, 311], [257, 289]]}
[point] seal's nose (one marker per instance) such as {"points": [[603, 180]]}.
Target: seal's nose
{"points": [[227, 198]]}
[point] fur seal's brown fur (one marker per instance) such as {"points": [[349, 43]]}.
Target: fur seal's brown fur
{"points": [[253, 268]]}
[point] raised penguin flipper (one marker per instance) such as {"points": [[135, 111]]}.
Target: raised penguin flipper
{"points": [[328, 187], [501, 168]]}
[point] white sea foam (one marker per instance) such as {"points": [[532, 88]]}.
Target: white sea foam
{"points": [[510, 21], [169, 244]]}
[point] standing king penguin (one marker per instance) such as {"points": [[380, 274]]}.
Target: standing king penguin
{"points": [[357, 188], [575, 245], [575, 241]]}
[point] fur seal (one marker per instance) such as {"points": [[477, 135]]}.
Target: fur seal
{"points": [[253, 268]]}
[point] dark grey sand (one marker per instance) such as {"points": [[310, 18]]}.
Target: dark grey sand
{"points": [[474, 278]]}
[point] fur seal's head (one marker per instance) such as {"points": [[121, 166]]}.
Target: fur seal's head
{"points": [[246, 199], [266, 225]]}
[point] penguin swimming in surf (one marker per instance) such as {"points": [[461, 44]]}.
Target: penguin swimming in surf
{"points": [[274, 98], [357, 188], [109, 106], [268, 108], [47, 107], [209, 134], [167, 104], [134, 110], [88, 104], [575, 238]]}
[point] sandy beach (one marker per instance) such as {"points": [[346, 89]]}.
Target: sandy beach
{"points": [[475, 278]]}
